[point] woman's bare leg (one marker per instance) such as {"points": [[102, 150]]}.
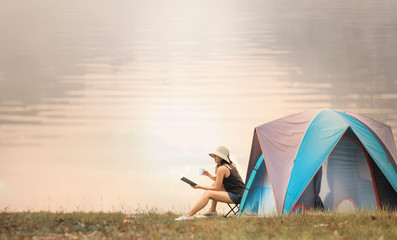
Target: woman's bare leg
{"points": [[221, 196], [213, 205], [214, 202]]}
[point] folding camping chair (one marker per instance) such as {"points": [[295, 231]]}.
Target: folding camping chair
{"points": [[232, 209]]}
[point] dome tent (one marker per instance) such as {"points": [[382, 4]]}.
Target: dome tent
{"points": [[320, 158]]}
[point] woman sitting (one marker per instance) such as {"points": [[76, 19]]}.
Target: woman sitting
{"points": [[228, 186]]}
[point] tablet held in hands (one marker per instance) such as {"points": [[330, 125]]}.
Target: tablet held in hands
{"points": [[188, 181]]}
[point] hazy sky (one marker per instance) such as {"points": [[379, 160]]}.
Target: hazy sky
{"points": [[105, 104]]}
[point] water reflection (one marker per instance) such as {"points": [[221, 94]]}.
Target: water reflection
{"points": [[112, 94], [347, 45]]}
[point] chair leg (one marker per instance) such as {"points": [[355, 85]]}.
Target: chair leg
{"points": [[232, 209]]}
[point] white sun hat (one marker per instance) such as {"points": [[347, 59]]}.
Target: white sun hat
{"points": [[221, 152]]}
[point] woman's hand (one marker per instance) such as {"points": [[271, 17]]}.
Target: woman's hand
{"points": [[206, 173], [195, 187]]}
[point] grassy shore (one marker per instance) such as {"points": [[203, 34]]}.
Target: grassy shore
{"points": [[155, 225]]}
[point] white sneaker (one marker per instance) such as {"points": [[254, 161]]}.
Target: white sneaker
{"points": [[210, 213], [184, 217]]}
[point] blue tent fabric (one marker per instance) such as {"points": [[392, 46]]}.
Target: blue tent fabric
{"points": [[279, 142], [320, 138], [323, 132], [260, 166], [383, 134], [258, 196]]}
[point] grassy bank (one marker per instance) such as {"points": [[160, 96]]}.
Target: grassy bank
{"points": [[153, 225]]}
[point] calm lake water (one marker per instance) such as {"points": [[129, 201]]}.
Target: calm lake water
{"points": [[105, 104]]}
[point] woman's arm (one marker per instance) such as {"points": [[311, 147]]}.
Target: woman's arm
{"points": [[206, 173], [218, 180]]}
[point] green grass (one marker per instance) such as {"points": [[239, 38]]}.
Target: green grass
{"points": [[155, 225]]}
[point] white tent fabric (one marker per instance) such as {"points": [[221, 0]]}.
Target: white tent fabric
{"points": [[280, 141]]}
